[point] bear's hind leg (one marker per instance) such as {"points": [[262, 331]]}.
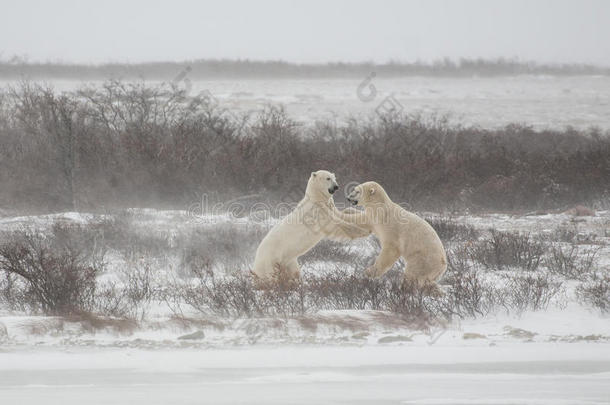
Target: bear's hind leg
{"points": [[293, 271], [421, 273]]}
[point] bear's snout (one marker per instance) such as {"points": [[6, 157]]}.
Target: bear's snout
{"points": [[333, 189]]}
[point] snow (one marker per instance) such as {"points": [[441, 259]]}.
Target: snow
{"points": [[532, 374], [306, 356], [557, 356]]}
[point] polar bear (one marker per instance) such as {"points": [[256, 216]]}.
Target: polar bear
{"points": [[314, 218], [400, 233]]}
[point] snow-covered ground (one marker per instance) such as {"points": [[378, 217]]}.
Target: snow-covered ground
{"points": [[560, 355], [533, 373]]}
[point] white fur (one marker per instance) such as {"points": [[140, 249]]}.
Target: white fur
{"points": [[401, 233], [314, 219]]}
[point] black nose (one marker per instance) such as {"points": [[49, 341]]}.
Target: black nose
{"points": [[336, 188]]}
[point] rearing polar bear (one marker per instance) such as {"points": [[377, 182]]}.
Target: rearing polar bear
{"points": [[400, 233], [316, 217]]}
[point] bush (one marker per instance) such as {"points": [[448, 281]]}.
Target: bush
{"points": [[533, 292], [59, 280], [505, 249], [420, 304], [468, 295], [596, 293], [13, 295], [138, 289], [232, 296], [571, 263], [128, 144], [55, 273], [111, 300], [449, 230], [344, 288]]}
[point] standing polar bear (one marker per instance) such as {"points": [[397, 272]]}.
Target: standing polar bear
{"points": [[313, 219], [400, 233]]}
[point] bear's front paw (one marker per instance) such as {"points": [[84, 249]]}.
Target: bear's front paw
{"points": [[371, 272]]}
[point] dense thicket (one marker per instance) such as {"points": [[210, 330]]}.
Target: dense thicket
{"points": [[135, 145]]}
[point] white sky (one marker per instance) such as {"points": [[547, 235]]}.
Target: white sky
{"points": [[305, 31]]}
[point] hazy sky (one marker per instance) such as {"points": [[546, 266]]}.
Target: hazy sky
{"points": [[305, 31]]}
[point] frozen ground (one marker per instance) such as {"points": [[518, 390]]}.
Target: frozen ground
{"points": [[557, 356], [540, 101], [533, 373]]}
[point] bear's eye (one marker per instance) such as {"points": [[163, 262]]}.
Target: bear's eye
{"points": [[328, 178]]}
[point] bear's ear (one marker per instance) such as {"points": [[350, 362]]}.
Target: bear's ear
{"points": [[371, 190], [313, 174]]}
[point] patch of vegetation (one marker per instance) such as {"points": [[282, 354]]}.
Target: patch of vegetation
{"points": [[596, 292], [129, 144], [449, 230], [506, 249], [572, 262], [55, 271], [47, 275]]}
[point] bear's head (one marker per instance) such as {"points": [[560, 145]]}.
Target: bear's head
{"points": [[366, 194], [321, 185]]}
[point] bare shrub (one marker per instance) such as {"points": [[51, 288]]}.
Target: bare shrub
{"points": [[468, 295], [138, 289], [286, 297], [128, 144], [230, 296], [530, 292], [417, 302], [59, 279], [459, 259], [596, 293], [235, 295], [572, 263], [449, 230], [345, 289], [504, 249], [111, 300], [13, 294]]}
